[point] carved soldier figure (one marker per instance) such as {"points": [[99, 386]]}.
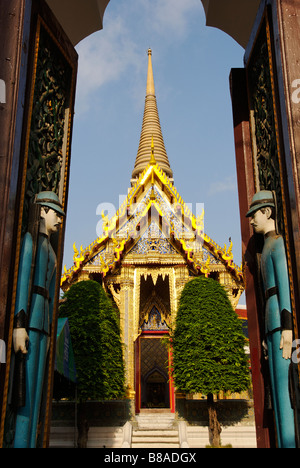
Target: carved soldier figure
{"points": [[33, 314], [278, 316]]}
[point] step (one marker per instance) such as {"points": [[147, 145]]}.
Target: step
{"points": [[156, 417], [154, 445], [143, 441], [156, 410], [155, 421], [155, 430], [155, 438], [161, 426]]}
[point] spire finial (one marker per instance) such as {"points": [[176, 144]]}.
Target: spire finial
{"points": [[150, 79]]}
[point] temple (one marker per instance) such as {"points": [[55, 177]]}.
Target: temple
{"points": [[149, 249]]}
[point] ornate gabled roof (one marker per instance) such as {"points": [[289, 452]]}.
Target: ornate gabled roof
{"points": [[151, 129], [152, 199]]}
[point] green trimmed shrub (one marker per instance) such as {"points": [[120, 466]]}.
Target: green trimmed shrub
{"points": [[208, 343], [95, 335]]}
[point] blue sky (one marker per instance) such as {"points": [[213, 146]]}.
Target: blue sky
{"points": [[191, 65]]}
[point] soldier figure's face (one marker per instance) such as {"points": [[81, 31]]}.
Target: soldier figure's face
{"points": [[259, 221], [52, 220]]}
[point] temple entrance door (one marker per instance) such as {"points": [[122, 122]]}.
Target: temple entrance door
{"points": [[154, 388], [154, 374], [153, 383]]}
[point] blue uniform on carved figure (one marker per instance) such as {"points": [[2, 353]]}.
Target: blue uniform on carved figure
{"points": [[278, 316], [39, 318]]}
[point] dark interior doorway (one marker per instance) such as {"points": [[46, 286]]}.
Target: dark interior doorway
{"points": [[155, 391]]}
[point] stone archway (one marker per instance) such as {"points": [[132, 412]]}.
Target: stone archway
{"points": [[19, 34], [16, 40]]}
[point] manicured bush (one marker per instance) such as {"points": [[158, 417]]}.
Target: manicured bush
{"points": [[208, 343], [95, 335]]}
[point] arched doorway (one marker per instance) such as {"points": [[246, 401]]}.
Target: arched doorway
{"points": [[154, 389]]}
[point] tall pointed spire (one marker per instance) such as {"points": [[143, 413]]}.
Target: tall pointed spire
{"points": [[151, 134], [150, 80]]}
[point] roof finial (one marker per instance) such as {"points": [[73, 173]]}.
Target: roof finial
{"points": [[150, 79]]}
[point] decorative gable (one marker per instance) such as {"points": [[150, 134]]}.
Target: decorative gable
{"points": [[153, 240]]}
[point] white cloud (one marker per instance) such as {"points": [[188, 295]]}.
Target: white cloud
{"points": [[129, 29], [173, 15], [103, 57], [228, 184]]}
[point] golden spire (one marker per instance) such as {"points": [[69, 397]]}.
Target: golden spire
{"points": [[150, 80], [151, 131]]}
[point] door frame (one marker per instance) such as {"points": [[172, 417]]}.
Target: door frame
{"points": [[155, 335]]}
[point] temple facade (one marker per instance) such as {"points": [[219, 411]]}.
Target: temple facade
{"points": [[149, 249]]}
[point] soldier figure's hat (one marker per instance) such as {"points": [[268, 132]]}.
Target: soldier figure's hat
{"points": [[260, 200], [51, 200]]}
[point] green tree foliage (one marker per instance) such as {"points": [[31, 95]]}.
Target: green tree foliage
{"points": [[208, 342], [95, 334]]}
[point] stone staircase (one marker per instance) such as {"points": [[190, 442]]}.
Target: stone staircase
{"points": [[155, 430]]}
